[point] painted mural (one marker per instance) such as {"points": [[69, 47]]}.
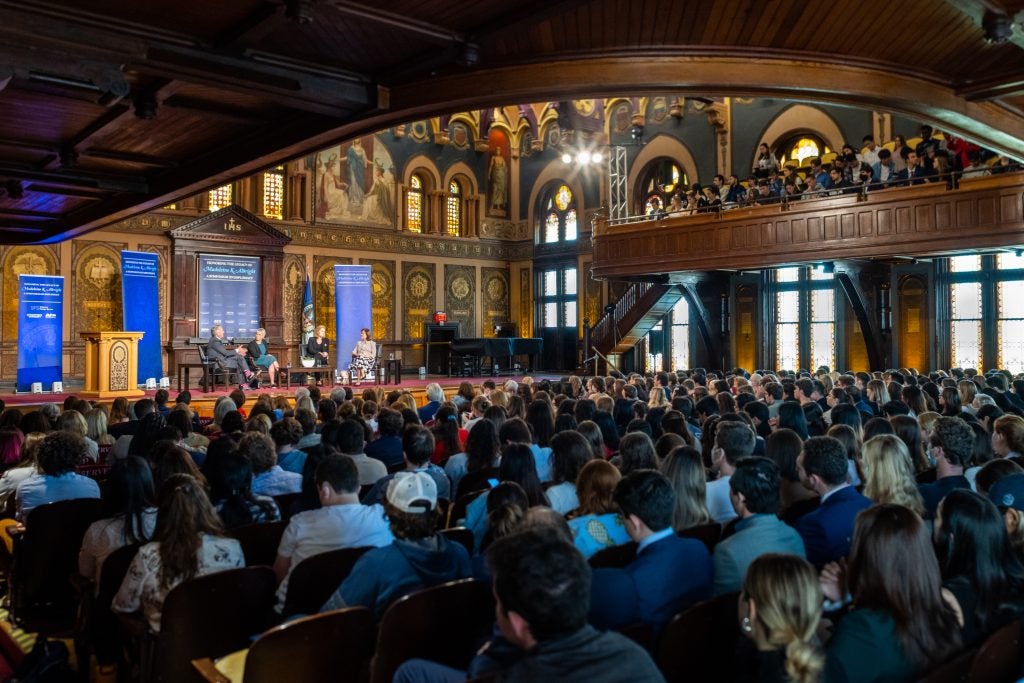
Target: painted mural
{"points": [[355, 183]]}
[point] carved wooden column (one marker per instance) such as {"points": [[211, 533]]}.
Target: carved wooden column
{"points": [[438, 213], [719, 115], [473, 211], [295, 196], [271, 304]]}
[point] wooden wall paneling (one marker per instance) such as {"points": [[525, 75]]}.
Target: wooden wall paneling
{"points": [[293, 289], [920, 220], [495, 298], [525, 302], [746, 328], [460, 295], [382, 277], [913, 323]]}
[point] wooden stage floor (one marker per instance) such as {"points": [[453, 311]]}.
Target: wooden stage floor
{"points": [[204, 401]]}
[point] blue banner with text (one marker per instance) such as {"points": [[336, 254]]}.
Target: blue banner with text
{"points": [[40, 330], [140, 291], [353, 302], [229, 294]]}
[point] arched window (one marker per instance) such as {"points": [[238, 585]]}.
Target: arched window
{"points": [[659, 180], [273, 193], [219, 197], [414, 204], [799, 149], [453, 223], [558, 215]]}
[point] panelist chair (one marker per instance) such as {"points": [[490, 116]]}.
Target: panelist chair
{"points": [[215, 370]]}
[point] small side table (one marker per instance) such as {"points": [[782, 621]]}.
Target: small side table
{"points": [[393, 371]]}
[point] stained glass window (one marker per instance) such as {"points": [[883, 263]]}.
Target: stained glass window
{"points": [[1010, 325], [558, 215], [563, 197], [454, 223], [570, 224], [658, 181], [1009, 261], [414, 204], [787, 332], [550, 280], [551, 228], [965, 264], [965, 325], [681, 335], [787, 274], [823, 328], [273, 193], [804, 148], [219, 197]]}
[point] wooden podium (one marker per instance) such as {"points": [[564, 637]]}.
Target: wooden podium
{"points": [[111, 364]]}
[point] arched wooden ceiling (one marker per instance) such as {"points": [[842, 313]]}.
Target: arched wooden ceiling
{"points": [[112, 107]]}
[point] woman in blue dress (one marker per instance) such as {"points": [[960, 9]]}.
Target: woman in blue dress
{"points": [[258, 353]]}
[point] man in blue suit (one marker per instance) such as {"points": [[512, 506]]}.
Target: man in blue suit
{"points": [[669, 573], [827, 531], [754, 491]]}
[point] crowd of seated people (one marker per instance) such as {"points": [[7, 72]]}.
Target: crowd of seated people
{"points": [[932, 159], [888, 504]]}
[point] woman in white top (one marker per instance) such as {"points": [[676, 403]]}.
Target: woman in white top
{"points": [[364, 355], [569, 453], [130, 515], [188, 542], [22, 470]]}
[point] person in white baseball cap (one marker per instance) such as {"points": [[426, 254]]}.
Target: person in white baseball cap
{"points": [[418, 558]]}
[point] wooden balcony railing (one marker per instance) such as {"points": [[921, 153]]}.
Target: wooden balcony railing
{"points": [[982, 213]]}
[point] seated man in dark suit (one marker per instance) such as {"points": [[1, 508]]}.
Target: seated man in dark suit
{"points": [[231, 360], [915, 172], [669, 573], [952, 444], [828, 531]]}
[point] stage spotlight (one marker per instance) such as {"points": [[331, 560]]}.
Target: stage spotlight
{"points": [[566, 158]]}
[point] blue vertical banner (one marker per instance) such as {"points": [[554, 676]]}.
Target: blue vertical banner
{"points": [[308, 323], [40, 330], [140, 292], [229, 294], [353, 305]]}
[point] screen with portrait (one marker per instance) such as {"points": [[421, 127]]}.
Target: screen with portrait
{"points": [[229, 294]]}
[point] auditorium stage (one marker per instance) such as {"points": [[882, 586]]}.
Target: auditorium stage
{"points": [[203, 401]]}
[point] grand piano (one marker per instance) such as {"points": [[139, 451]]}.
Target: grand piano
{"points": [[468, 354]]}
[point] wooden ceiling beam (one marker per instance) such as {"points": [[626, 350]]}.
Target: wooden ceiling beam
{"points": [[992, 87], [25, 213], [402, 22], [108, 182], [522, 17], [34, 28], [129, 157]]}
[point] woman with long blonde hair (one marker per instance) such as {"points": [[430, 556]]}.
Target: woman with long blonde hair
{"points": [[878, 394], [685, 470], [657, 399], [889, 473], [781, 608]]}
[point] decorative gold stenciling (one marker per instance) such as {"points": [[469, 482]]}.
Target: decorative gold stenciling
{"points": [[494, 298], [459, 297], [417, 297], [21, 261], [294, 269], [119, 366], [382, 282], [96, 287]]}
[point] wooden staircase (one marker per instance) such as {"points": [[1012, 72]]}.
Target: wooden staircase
{"points": [[639, 309]]}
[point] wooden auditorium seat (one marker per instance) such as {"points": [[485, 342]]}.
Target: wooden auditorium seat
{"points": [[444, 624], [313, 580], [260, 541]]}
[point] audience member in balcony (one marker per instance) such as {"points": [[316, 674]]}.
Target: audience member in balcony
{"points": [[650, 590], [765, 196], [884, 170], [765, 162], [941, 167], [712, 202], [812, 188], [903, 622], [870, 154], [734, 190], [819, 172], [789, 174], [837, 182], [899, 152], [791, 192], [927, 147], [675, 205], [915, 172], [775, 182]]}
